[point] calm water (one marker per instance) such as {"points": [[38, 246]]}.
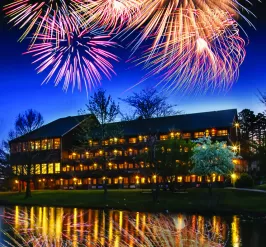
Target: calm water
{"points": [[59, 226]]}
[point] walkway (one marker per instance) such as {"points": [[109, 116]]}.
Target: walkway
{"points": [[252, 190]]}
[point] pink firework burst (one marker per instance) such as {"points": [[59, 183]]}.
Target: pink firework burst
{"points": [[74, 55]]}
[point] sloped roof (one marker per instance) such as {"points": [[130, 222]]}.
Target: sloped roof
{"points": [[184, 123], [56, 128]]}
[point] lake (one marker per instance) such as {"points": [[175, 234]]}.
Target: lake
{"points": [[51, 226]]}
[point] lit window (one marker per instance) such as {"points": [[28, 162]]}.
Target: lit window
{"points": [[57, 143], [198, 134], [199, 179], [185, 149], [95, 143], [37, 145], [207, 133], [121, 141], [31, 145], [163, 137], [14, 169], [106, 142], [37, 169], [179, 179], [222, 133], [50, 144], [24, 146], [44, 144], [132, 140], [44, 168], [51, 168], [172, 135], [140, 138], [169, 150], [186, 135], [57, 167], [19, 170], [90, 143], [213, 132]]}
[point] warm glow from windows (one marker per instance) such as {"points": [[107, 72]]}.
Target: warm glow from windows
{"points": [[198, 134], [186, 135], [51, 168], [44, 144], [132, 140], [57, 167], [222, 133], [179, 179], [163, 137], [44, 168]]}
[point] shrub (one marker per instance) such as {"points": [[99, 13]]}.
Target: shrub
{"points": [[245, 181]]}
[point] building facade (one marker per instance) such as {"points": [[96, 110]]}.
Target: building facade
{"points": [[130, 154]]}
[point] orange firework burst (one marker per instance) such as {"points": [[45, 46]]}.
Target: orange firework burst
{"points": [[159, 18], [32, 14], [198, 62], [112, 14]]}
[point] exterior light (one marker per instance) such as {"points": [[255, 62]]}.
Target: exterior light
{"points": [[39, 180], [120, 178], [16, 181], [137, 177], [115, 151], [75, 179], [104, 178], [43, 179], [233, 176], [236, 125], [109, 163], [154, 176], [51, 180], [234, 148], [87, 153], [61, 179], [74, 154], [130, 150], [100, 151], [95, 164], [115, 139]]}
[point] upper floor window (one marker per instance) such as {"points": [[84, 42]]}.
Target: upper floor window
{"points": [[44, 144], [213, 132], [186, 135], [207, 133], [222, 133], [37, 145], [198, 134], [132, 140], [50, 144], [106, 142], [57, 143], [31, 145], [121, 141], [163, 137]]}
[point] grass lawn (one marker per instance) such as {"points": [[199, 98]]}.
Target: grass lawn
{"points": [[196, 200], [261, 187]]}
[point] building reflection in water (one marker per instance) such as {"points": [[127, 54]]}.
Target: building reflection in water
{"points": [[116, 227]]}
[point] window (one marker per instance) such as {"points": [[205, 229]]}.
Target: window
{"points": [[172, 135], [14, 169], [187, 135], [57, 167], [213, 132], [19, 147], [198, 134], [31, 145], [51, 168], [106, 143], [186, 149], [132, 140], [50, 144], [37, 169], [222, 133], [95, 143], [90, 143], [163, 137], [121, 166], [179, 179], [57, 143], [44, 144], [19, 170], [130, 166], [37, 145], [207, 133], [24, 147], [121, 141], [44, 168], [140, 138]]}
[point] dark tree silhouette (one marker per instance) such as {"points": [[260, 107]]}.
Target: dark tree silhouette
{"points": [[150, 104], [25, 123]]}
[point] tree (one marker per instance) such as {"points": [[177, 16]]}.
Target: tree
{"points": [[212, 158], [105, 109], [150, 104], [25, 123]]}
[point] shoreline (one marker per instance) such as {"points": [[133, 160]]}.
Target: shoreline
{"points": [[195, 201]]}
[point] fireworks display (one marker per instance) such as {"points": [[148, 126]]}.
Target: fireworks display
{"points": [[75, 55], [194, 45]]}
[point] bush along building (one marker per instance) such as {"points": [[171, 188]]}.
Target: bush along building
{"points": [[77, 153]]}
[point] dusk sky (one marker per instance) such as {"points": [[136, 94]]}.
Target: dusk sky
{"points": [[21, 89]]}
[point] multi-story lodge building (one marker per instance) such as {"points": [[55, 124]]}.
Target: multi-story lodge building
{"points": [[59, 161]]}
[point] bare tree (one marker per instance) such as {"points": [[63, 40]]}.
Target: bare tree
{"points": [[148, 103], [105, 109], [25, 123]]}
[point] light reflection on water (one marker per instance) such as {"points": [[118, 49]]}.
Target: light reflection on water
{"points": [[95, 226]]}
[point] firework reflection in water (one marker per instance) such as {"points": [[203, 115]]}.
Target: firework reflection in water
{"points": [[146, 231]]}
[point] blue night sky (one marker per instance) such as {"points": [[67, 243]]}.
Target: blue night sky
{"points": [[21, 89]]}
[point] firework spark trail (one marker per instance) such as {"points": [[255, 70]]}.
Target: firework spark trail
{"points": [[33, 14], [113, 14], [75, 55], [159, 18], [192, 56]]}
